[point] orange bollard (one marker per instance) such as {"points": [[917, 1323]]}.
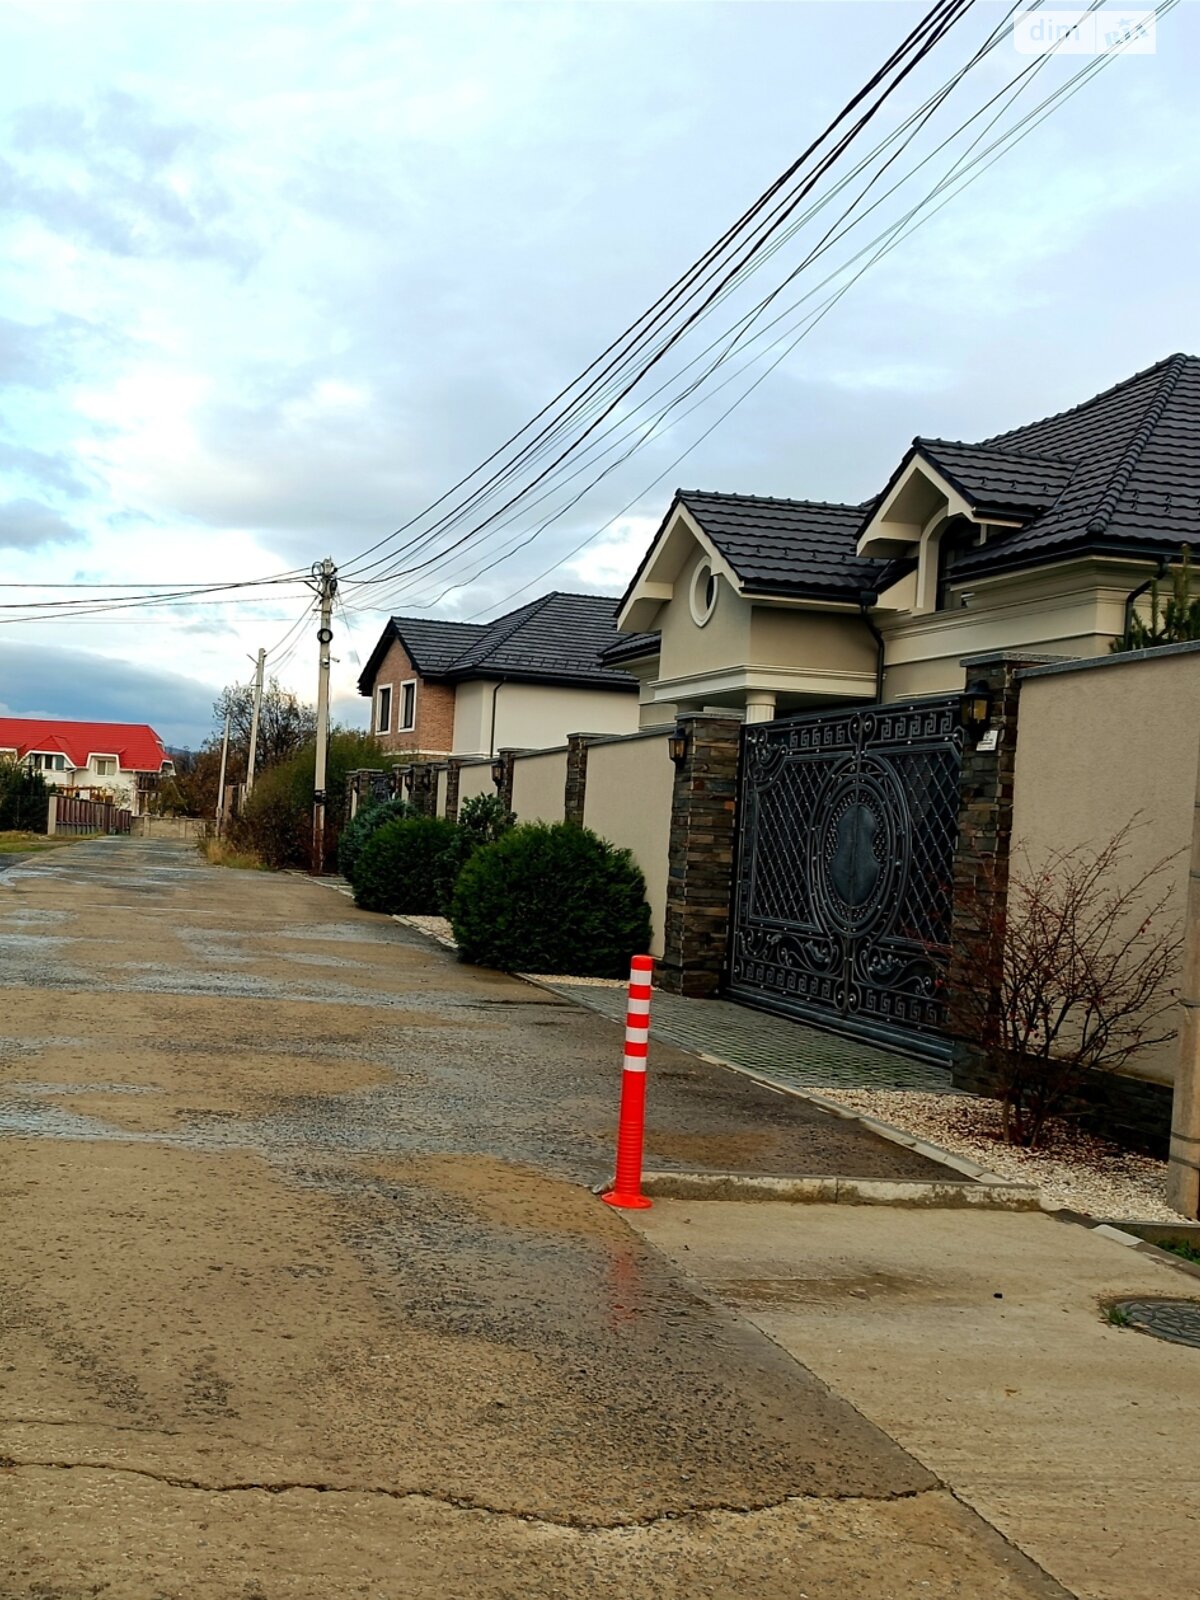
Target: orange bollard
{"points": [[626, 1191]]}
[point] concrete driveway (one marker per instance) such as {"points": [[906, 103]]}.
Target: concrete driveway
{"points": [[306, 1296]]}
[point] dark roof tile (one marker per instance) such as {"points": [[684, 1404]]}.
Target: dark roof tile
{"points": [[800, 547], [555, 639]]}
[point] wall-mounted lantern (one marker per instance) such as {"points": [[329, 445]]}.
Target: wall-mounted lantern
{"points": [[407, 779], [976, 707], [677, 745], [497, 773]]}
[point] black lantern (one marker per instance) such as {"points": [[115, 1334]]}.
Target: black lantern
{"points": [[976, 707], [408, 779], [497, 773], [677, 745]]}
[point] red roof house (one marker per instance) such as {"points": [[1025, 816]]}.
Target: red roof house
{"points": [[109, 757]]}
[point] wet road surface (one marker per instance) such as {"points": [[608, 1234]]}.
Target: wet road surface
{"points": [[305, 1293]]}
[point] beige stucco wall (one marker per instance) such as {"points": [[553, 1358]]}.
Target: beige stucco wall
{"points": [[475, 779], [532, 716], [473, 718], [1097, 747], [440, 780], [628, 801], [1073, 610], [688, 650], [539, 784], [818, 641]]}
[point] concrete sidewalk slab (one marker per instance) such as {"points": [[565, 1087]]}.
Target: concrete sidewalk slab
{"points": [[977, 1340]]}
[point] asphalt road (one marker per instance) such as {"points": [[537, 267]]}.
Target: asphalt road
{"points": [[305, 1293]]}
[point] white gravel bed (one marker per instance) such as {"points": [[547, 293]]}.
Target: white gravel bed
{"points": [[1074, 1169], [433, 927], [581, 983]]}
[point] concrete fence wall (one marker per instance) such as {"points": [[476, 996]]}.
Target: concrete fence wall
{"points": [[475, 778], [630, 783], [440, 777], [1103, 743], [180, 828], [539, 784]]}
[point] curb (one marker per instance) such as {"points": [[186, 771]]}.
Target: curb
{"points": [[1119, 1234], [916, 1193], [882, 1130], [414, 926]]}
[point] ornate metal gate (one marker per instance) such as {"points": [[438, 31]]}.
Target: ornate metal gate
{"points": [[842, 893]]}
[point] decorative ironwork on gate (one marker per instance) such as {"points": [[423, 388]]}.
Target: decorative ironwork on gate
{"points": [[842, 895]]}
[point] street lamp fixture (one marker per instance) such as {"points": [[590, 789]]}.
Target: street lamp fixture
{"points": [[977, 707]]}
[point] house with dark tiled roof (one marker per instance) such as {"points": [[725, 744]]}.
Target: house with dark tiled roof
{"points": [[526, 680], [1040, 539]]}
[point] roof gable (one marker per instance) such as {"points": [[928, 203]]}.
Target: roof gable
{"points": [[557, 638], [1134, 485], [789, 549]]}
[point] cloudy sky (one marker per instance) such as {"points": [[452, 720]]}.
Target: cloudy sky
{"points": [[276, 275]]}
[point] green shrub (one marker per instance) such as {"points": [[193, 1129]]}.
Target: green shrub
{"points": [[481, 820], [277, 821], [397, 869], [24, 799], [552, 898], [371, 816]]}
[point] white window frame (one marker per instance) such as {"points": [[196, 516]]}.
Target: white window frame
{"points": [[38, 759], [383, 724], [401, 725], [97, 758]]}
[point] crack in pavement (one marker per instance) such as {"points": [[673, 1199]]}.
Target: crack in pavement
{"points": [[461, 1503]]}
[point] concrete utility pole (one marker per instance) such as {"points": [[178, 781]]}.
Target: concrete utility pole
{"points": [[221, 780], [1183, 1170], [326, 585], [253, 751]]}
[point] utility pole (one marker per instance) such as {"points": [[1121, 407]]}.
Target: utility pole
{"points": [[325, 576], [221, 780], [253, 751]]}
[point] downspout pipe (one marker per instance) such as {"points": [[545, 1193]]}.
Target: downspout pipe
{"points": [[1134, 595], [865, 601], [496, 688]]}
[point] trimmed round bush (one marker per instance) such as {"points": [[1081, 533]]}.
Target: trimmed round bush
{"points": [[481, 820], [397, 869], [356, 833], [551, 898]]}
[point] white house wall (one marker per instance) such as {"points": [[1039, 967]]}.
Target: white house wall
{"points": [[533, 716]]}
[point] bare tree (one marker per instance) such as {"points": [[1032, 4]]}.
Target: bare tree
{"points": [[285, 724], [1076, 977]]}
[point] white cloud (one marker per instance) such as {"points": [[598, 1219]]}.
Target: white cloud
{"points": [[612, 560]]}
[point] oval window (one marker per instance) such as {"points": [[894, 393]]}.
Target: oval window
{"points": [[703, 595]]}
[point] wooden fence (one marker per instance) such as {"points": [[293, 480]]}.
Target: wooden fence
{"points": [[70, 815]]}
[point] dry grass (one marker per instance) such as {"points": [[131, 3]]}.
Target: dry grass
{"points": [[14, 842], [220, 853]]}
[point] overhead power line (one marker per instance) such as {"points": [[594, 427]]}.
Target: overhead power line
{"points": [[695, 291], [959, 176]]}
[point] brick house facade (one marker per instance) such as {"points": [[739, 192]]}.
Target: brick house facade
{"points": [[530, 678], [408, 715]]}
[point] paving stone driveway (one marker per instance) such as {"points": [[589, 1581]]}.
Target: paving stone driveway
{"points": [[788, 1053]]}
